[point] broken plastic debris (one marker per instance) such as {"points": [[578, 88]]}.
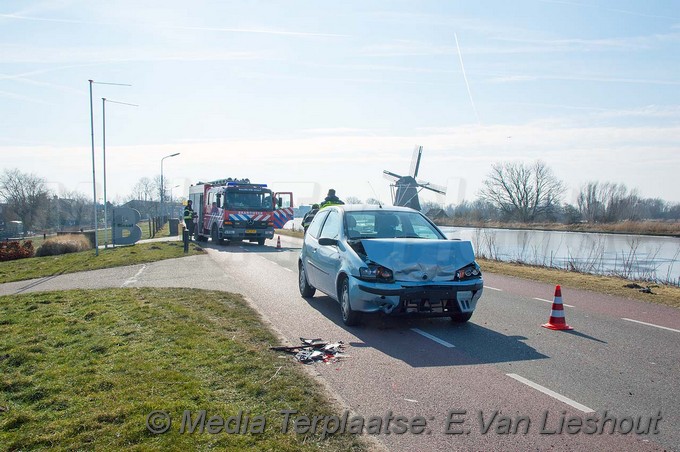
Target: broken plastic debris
{"points": [[314, 350]]}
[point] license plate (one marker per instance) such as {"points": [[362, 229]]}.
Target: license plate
{"points": [[251, 231]]}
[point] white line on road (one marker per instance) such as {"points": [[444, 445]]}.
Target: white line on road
{"points": [[276, 263], [551, 393], [434, 338], [651, 324], [134, 278], [551, 301], [493, 288]]}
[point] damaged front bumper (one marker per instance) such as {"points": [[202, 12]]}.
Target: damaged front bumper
{"points": [[430, 300]]}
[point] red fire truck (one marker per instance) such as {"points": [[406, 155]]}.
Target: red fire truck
{"points": [[233, 210]]}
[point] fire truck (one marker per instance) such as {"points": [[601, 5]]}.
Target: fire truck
{"points": [[234, 210]]}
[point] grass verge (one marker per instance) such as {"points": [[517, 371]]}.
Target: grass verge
{"points": [[83, 370], [662, 294], [39, 267]]}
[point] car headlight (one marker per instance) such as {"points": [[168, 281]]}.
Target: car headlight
{"points": [[471, 271], [376, 273]]}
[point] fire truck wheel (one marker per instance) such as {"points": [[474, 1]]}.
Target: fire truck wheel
{"points": [[260, 241], [215, 236]]}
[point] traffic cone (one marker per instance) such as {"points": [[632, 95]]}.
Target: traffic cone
{"points": [[557, 320], [278, 242]]}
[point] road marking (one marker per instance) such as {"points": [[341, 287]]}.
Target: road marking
{"points": [[651, 324], [551, 301], [133, 279], [493, 288], [434, 338], [551, 393], [276, 263]]}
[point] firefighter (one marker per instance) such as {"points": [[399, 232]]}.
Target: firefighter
{"points": [[331, 200], [309, 216], [189, 216]]}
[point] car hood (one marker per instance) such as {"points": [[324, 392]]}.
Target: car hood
{"points": [[420, 259]]}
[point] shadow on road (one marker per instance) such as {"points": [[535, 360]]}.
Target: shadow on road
{"points": [[474, 344], [244, 247]]}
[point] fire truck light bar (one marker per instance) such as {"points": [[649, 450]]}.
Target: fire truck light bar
{"points": [[234, 184]]}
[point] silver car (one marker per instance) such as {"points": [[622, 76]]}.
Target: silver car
{"points": [[388, 259]]}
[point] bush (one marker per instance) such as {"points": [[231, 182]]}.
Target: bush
{"points": [[63, 244], [10, 251]]}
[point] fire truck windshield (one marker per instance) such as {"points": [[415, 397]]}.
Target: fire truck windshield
{"points": [[249, 201]]}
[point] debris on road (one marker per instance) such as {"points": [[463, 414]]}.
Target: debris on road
{"points": [[314, 350], [643, 289]]}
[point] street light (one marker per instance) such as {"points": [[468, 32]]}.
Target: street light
{"points": [[104, 100], [172, 199], [94, 183], [163, 182]]}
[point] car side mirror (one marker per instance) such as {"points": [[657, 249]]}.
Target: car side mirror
{"points": [[325, 241]]}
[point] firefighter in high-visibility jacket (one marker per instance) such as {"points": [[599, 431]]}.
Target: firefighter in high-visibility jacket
{"points": [[331, 200], [189, 216], [309, 216]]}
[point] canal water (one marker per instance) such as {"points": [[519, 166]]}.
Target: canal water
{"points": [[630, 256]]}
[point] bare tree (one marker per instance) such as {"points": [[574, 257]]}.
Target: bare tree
{"points": [[523, 192], [144, 189], [373, 201], [608, 202], [25, 194], [352, 200], [77, 209]]}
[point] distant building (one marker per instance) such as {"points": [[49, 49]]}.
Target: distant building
{"points": [[299, 212]]}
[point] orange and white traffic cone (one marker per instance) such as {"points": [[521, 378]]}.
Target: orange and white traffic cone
{"points": [[278, 242], [557, 320]]}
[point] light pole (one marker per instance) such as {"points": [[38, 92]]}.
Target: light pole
{"points": [[163, 182], [172, 199], [104, 101], [94, 183]]}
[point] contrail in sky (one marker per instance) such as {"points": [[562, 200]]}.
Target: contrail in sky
{"points": [[460, 56]]}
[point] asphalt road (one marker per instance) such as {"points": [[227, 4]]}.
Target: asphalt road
{"points": [[501, 362]]}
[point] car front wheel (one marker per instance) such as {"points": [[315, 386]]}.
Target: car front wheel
{"points": [[349, 317], [306, 290], [461, 317]]}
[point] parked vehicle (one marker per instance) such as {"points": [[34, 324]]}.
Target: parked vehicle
{"points": [[233, 210], [388, 259]]}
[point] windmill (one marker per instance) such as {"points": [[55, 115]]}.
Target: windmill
{"points": [[405, 189]]}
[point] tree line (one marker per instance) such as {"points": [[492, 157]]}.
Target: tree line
{"points": [[512, 192], [26, 198], [530, 193]]}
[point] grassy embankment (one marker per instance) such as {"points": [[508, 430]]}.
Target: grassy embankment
{"points": [[38, 267], [662, 294], [83, 370]]}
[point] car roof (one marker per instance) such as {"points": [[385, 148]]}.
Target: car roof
{"points": [[373, 207]]}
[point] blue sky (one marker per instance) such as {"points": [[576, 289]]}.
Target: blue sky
{"points": [[309, 95]]}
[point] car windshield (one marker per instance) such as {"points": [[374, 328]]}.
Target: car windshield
{"points": [[381, 224]]}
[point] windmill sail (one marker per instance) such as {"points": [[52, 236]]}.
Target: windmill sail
{"points": [[405, 189]]}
